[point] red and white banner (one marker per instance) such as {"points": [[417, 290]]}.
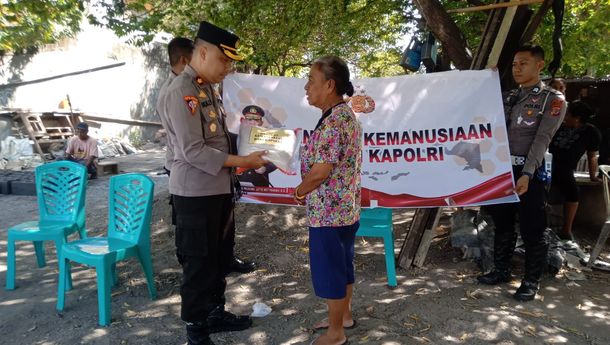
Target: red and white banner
{"points": [[428, 140]]}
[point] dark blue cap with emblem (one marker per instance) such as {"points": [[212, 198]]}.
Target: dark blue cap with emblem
{"points": [[253, 110], [226, 41]]}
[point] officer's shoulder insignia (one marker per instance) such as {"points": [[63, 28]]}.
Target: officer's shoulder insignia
{"points": [[191, 103], [556, 105]]}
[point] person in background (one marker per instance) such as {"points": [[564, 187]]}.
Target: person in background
{"points": [[180, 51], [330, 168], [82, 149], [533, 114], [575, 137], [558, 84]]}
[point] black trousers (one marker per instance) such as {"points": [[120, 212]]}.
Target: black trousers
{"points": [[532, 224], [205, 236]]}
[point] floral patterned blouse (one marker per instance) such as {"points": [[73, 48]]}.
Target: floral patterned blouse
{"points": [[338, 140]]}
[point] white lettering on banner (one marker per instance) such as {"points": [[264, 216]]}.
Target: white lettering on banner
{"points": [[428, 140]]}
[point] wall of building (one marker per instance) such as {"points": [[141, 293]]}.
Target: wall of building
{"points": [[125, 92]]}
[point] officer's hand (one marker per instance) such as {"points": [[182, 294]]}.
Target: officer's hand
{"points": [[522, 185], [254, 160]]}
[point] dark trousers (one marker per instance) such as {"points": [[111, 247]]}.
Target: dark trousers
{"points": [[91, 168], [532, 224], [205, 233]]}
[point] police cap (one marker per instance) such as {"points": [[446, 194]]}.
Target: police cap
{"points": [[226, 41], [252, 111]]}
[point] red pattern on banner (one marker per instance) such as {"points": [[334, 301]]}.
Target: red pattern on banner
{"points": [[495, 188]]}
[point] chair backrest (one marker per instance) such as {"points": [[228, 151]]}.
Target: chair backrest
{"points": [[61, 190], [130, 208], [605, 170]]}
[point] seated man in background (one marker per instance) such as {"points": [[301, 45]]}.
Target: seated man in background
{"points": [[82, 149]]}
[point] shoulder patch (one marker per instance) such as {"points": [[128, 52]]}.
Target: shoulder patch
{"points": [[556, 105], [191, 103]]}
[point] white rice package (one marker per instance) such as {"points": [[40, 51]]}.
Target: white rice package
{"points": [[281, 145]]}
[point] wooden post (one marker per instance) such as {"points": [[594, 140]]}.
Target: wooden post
{"points": [[426, 240], [423, 219]]}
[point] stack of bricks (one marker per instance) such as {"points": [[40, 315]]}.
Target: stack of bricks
{"points": [[17, 182]]}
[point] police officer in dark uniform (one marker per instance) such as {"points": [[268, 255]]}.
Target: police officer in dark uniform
{"points": [[202, 184], [533, 113], [253, 115]]}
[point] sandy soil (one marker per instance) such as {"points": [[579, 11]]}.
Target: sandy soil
{"points": [[440, 304]]}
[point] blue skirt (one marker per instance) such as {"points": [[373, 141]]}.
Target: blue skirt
{"points": [[331, 257]]}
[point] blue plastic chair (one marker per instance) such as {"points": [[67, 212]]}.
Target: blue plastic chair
{"points": [[60, 189], [129, 217], [377, 222]]}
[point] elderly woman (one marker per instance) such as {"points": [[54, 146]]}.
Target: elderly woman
{"points": [[330, 168]]}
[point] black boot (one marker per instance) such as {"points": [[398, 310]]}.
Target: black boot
{"points": [[197, 334], [495, 277], [535, 262], [220, 320], [527, 291], [504, 246]]}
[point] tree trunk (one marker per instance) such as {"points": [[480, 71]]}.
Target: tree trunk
{"points": [[446, 31]]}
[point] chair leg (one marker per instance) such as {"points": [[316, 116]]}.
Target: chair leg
{"points": [[10, 263], [104, 281], [39, 248], [146, 262], [64, 266], [390, 264], [601, 239], [68, 271]]}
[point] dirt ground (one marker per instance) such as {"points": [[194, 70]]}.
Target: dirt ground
{"points": [[440, 304]]}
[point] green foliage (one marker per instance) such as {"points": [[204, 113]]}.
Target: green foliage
{"points": [[586, 39], [27, 24], [283, 37], [278, 37]]}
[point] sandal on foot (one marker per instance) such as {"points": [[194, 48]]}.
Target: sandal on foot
{"points": [[354, 324]]}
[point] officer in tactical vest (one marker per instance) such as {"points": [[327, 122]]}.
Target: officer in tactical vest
{"points": [[533, 113], [202, 184]]}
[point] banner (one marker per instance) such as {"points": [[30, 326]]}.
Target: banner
{"points": [[428, 140]]}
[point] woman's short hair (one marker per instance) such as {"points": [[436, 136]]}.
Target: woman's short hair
{"points": [[335, 68], [581, 110]]}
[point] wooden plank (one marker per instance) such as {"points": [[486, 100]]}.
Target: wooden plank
{"points": [[509, 4], [411, 243], [120, 121], [21, 83], [494, 20], [496, 50], [426, 240]]}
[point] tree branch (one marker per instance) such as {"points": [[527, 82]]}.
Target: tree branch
{"points": [[446, 31]]}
